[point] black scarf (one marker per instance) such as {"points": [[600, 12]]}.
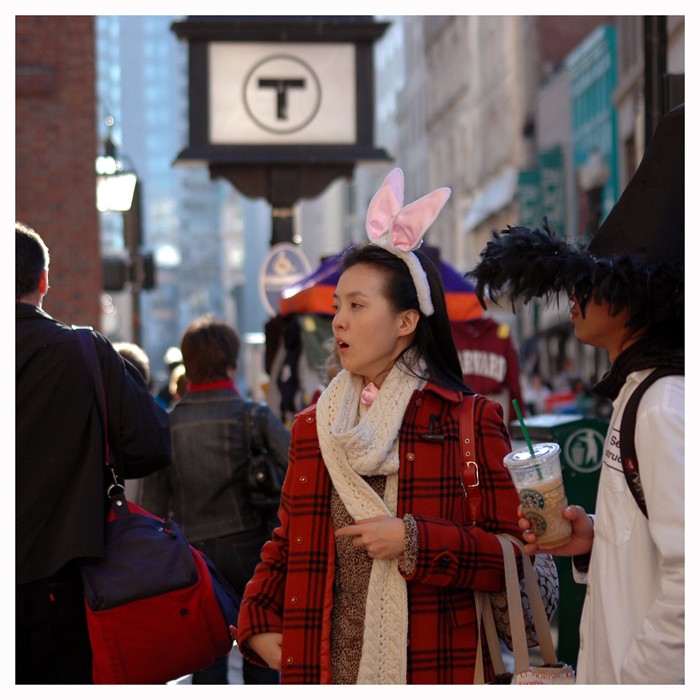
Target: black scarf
{"points": [[647, 353]]}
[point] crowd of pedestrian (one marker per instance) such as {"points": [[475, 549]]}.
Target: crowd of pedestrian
{"points": [[369, 574]]}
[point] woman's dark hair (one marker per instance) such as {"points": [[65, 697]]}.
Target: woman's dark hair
{"points": [[209, 348], [433, 337]]}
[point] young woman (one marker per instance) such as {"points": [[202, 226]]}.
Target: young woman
{"points": [[370, 577]]}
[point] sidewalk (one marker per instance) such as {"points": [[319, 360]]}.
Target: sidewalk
{"points": [[235, 670]]}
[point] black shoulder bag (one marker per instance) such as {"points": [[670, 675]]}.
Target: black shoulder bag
{"points": [[628, 452], [265, 475]]}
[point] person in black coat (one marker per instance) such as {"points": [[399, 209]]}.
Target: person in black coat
{"points": [[60, 490]]}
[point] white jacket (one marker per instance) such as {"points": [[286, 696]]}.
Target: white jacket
{"points": [[633, 622]]}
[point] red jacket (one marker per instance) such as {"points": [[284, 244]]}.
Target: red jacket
{"points": [[489, 361], [291, 589]]}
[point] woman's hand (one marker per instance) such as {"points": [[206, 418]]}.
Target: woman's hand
{"points": [[268, 646], [381, 537], [581, 540]]}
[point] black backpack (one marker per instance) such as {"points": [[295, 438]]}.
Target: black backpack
{"points": [[628, 453]]}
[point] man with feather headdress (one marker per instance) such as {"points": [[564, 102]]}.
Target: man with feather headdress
{"points": [[627, 296]]}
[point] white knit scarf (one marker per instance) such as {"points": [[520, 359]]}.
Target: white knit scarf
{"points": [[353, 447]]}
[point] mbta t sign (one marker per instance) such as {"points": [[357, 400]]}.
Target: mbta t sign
{"points": [[281, 106], [271, 94]]}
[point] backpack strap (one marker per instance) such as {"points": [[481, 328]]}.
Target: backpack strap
{"points": [[469, 473], [115, 490], [628, 452], [248, 425], [254, 436], [89, 352]]}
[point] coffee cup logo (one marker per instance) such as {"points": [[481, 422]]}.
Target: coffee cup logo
{"points": [[532, 499]]}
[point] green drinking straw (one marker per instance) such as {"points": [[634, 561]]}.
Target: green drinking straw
{"points": [[525, 433], [522, 425]]}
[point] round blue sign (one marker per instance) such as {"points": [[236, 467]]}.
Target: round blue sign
{"points": [[283, 266]]}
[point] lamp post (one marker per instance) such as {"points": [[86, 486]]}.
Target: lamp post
{"points": [[592, 177], [281, 106], [119, 190]]}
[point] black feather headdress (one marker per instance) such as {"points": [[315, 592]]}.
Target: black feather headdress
{"points": [[635, 262]]}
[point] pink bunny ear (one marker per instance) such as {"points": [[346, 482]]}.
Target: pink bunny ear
{"points": [[385, 204], [414, 219]]}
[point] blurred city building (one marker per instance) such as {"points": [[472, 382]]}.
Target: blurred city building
{"points": [[522, 116], [55, 147], [207, 240]]}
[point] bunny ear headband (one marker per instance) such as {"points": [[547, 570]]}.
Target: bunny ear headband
{"points": [[400, 229]]}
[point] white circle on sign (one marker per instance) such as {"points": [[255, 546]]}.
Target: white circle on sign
{"points": [[282, 94], [583, 450]]}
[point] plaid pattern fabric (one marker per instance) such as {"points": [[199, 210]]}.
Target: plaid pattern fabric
{"points": [[291, 590]]}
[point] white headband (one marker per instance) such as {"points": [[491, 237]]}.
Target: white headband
{"points": [[400, 229]]}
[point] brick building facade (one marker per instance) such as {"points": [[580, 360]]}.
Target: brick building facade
{"points": [[56, 144]]}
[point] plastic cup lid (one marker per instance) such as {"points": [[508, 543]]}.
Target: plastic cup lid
{"points": [[544, 451]]}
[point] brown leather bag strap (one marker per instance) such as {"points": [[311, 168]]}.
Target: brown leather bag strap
{"points": [[469, 471]]}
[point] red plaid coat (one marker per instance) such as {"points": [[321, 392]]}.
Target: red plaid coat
{"points": [[291, 589]]}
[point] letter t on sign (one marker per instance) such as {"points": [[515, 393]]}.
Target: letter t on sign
{"points": [[281, 85]]}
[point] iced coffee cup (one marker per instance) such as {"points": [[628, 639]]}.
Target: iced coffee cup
{"points": [[538, 480]]}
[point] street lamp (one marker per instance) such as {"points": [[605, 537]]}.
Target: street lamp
{"points": [[592, 177], [115, 186], [118, 190]]}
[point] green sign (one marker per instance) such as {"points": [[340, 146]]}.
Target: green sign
{"points": [[542, 192], [553, 189], [529, 198]]}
